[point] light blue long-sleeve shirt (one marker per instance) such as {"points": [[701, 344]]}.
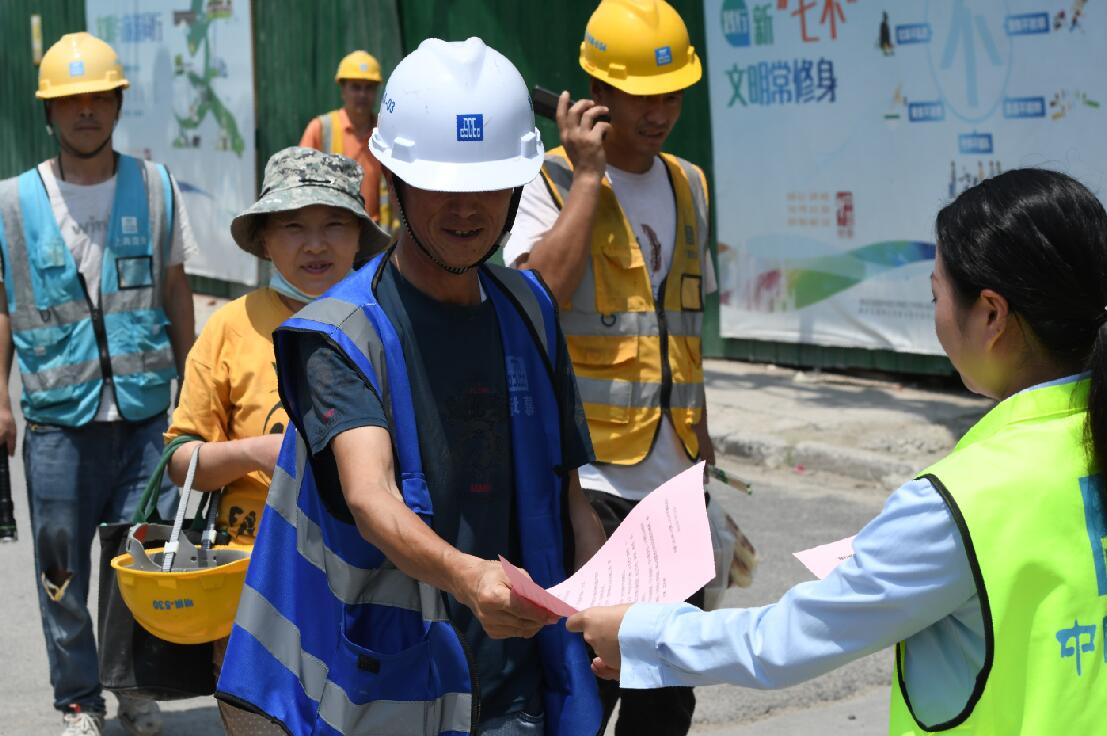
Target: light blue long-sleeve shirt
{"points": [[909, 579]]}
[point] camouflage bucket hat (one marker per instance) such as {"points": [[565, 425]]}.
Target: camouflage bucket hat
{"points": [[299, 177]]}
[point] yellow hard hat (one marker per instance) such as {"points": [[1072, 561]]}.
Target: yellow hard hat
{"points": [[640, 47], [358, 65], [190, 604], [78, 64]]}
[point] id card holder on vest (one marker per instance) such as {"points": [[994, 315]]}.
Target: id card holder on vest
{"points": [[134, 272]]}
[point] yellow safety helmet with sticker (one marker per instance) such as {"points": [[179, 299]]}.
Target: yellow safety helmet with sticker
{"points": [[196, 600], [358, 65], [640, 47], [79, 64]]}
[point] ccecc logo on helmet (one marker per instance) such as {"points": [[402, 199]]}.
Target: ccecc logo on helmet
{"points": [[470, 127]]}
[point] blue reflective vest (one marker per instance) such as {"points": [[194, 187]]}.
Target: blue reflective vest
{"points": [[68, 349], [331, 638]]}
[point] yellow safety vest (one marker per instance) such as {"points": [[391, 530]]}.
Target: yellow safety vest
{"points": [[635, 359], [333, 140], [1020, 491]]}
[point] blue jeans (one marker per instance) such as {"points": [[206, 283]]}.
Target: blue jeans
{"points": [[76, 480], [514, 724]]}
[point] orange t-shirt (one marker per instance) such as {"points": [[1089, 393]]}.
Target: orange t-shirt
{"points": [[357, 149], [229, 392]]}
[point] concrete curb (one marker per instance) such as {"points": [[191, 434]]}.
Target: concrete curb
{"points": [[773, 452]]}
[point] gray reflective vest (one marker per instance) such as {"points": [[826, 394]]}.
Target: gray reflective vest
{"points": [[67, 348]]}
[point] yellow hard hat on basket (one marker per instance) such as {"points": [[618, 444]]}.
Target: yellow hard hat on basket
{"points": [[78, 64], [640, 47], [358, 65], [190, 604]]}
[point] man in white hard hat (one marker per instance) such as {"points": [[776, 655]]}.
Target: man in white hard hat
{"points": [[435, 427], [618, 230], [97, 306]]}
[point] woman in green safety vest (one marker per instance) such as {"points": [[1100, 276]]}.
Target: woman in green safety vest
{"points": [[987, 571]]}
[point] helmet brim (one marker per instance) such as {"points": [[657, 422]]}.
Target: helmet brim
{"points": [[657, 84], [483, 176], [81, 88]]}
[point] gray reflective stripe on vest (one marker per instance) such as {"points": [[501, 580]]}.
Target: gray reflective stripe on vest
{"points": [[161, 235], [352, 320], [89, 370], [281, 638], [699, 199], [628, 324], [384, 586], [515, 284], [325, 120], [562, 177], [17, 274], [638, 394]]}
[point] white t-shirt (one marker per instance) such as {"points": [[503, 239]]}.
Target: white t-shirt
{"points": [[82, 213], [648, 203]]}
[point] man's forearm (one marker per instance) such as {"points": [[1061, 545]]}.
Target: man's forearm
{"points": [[562, 254], [386, 522]]}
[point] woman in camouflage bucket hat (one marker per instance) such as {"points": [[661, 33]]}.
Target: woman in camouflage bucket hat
{"points": [[310, 223]]}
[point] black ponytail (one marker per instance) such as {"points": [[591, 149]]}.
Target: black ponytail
{"points": [[1039, 238]]}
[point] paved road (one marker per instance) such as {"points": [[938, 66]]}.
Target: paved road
{"points": [[788, 512]]}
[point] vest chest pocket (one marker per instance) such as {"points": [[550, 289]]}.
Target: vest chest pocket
{"points": [[603, 365], [691, 293], [140, 334]]}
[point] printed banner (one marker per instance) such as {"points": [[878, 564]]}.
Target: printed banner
{"points": [[840, 127], [190, 106]]}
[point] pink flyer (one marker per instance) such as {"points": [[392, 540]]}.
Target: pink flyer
{"points": [[823, 559], [661, 553]]}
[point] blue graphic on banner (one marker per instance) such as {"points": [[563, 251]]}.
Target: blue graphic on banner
{"points": [[926, 112], [1027, 24], [975, 143], [736, 22], [972, 61], [913, 33], [1024, 107]]}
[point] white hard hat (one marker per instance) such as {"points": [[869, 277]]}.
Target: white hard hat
{"points": [[456, 117]]}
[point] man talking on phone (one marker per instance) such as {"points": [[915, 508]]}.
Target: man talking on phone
{"points": [[618, 231]]}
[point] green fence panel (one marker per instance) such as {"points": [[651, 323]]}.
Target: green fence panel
{"points": [[23, 138]]}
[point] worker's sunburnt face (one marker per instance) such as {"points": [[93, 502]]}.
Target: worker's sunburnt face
{"points": [[313, 247], [84, 122], [359, 96], [639, 123], [459, 228]]}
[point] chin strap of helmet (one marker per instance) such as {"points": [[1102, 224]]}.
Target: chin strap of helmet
{"points": [[513, 208]]}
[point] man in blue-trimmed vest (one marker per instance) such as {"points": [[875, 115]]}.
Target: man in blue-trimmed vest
{"points": [[619, 230], [435, 426], [97, 307]]}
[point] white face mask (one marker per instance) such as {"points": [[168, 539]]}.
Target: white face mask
{"points": [[281, 285]]}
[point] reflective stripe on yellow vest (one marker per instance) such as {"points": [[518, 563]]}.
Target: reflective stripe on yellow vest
{"points": [[635, 358], [333, 133], [333, 141], [1019, 489]]}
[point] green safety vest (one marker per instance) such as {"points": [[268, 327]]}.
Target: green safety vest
{"points": [[1019, 488]]}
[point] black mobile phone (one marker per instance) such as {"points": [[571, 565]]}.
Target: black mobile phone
{"points": [[545, 104]]}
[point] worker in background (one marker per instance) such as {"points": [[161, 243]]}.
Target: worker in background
{"points": [[435, 429], [346, 131], [618, 229], [310, 224], [97, 306], [987, 570]]}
